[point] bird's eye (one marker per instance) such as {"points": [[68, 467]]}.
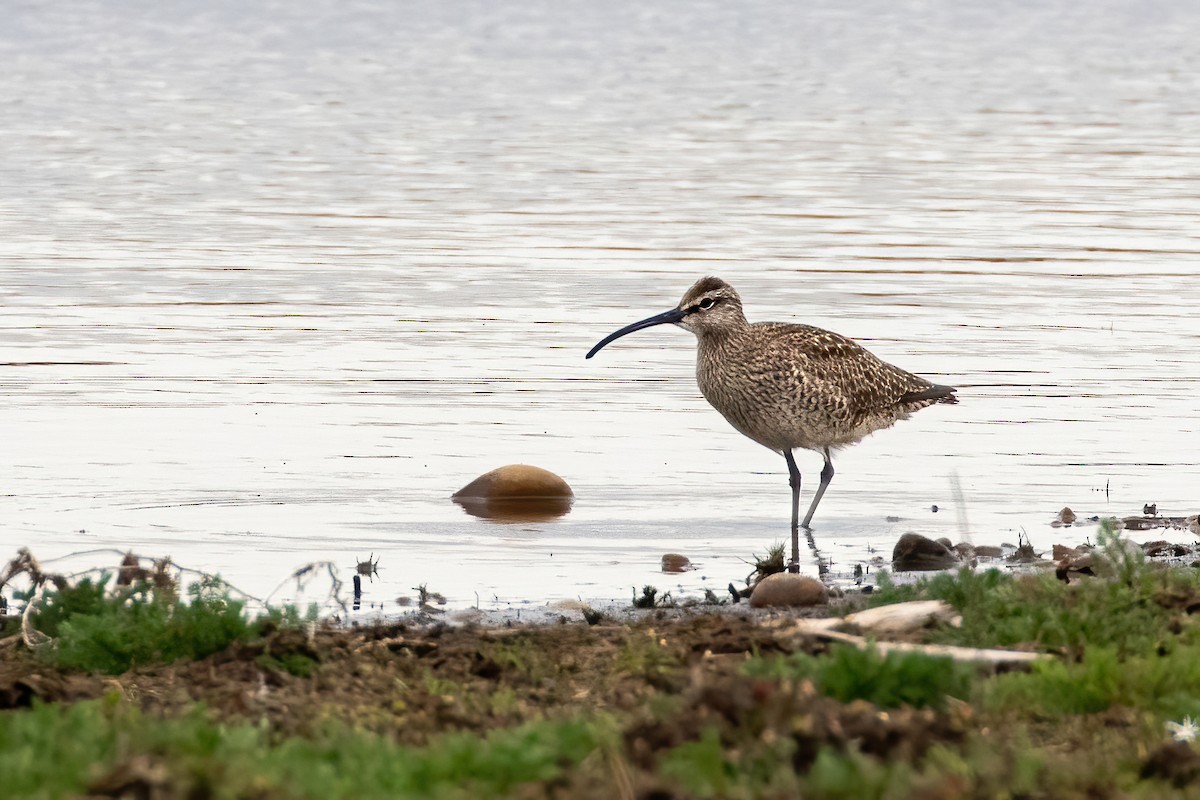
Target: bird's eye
{"points": [[707, 303]]}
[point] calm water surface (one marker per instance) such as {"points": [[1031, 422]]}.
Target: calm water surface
{"points": [[276, 280]]}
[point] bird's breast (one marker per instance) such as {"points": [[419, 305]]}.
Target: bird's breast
{"points": [[760, 401]]}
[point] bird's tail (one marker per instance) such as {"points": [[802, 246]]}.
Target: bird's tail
{"points": [[939, 394]]}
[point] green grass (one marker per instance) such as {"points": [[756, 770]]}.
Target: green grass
{"points": [[1124, 639], [847, 673], [1167, 685], [98, 630], [1127, 659], [298, 664], [55, 751], [980, 767], [707, 769], [1127, 612]]}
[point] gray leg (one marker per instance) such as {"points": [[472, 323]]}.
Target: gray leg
{"points": [[826, 477], [794, 482]]}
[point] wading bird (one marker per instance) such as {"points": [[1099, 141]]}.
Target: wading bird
{"points": [[787, 385]]}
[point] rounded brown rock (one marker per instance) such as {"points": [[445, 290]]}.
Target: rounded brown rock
{"points": [[513, 482], [785, 589], [675, 562], [914, 552]]}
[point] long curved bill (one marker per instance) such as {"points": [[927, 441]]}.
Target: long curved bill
{"points": [[674, 315]]}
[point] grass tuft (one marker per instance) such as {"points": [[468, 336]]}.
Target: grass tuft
{"points": [[897, 679], [97, 630], [1127, 611], [55, 751]]}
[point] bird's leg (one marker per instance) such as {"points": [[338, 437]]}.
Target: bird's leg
{"points": [[794, 482], [826, 477]]}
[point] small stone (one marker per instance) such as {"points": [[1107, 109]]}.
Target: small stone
{"points": [[914, 552], [788, 590], [1074, 563], [988, 551], [1066, 516], [1061, 551], [674, 562], [1163, 549], [1091, 561]]}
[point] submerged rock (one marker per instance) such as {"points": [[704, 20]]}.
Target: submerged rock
{"points": [[515, 481], [1165, 549], [914, 553], [1073, 562], [1144, 523], [965, 550], [675, 562], [785, 589], [516, 493]]}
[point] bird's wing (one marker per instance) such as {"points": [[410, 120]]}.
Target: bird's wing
{"points": [[846, 374]]}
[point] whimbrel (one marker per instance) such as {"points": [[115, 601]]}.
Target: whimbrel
{"points": [[787, 385]]}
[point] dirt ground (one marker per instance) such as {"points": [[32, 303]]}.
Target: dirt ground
{"points": [[667, 679]]}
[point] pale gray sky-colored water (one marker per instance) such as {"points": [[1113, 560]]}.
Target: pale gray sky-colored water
{"points": [[276, 279]]}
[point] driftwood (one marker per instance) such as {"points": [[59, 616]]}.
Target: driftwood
{"points": [[973, 655], [907, 618], [903, 617], [26, 564], [31, 636]]}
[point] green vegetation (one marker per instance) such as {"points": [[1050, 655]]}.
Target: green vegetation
{"points": [[1132, 610], [697, 706], [55, 751], [1168, 685], [897, 679], [771, 562], [98, 630]]}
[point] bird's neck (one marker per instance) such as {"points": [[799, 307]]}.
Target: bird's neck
{"points": [[718, 338]]}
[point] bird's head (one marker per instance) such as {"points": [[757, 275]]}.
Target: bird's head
{"points": [[710, 305]]}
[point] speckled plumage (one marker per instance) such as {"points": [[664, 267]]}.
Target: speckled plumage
{"points": [[788, 385]]}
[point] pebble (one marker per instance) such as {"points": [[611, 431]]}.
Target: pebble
{"points": [[914, 552], [675, 562], [788, 590]]}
